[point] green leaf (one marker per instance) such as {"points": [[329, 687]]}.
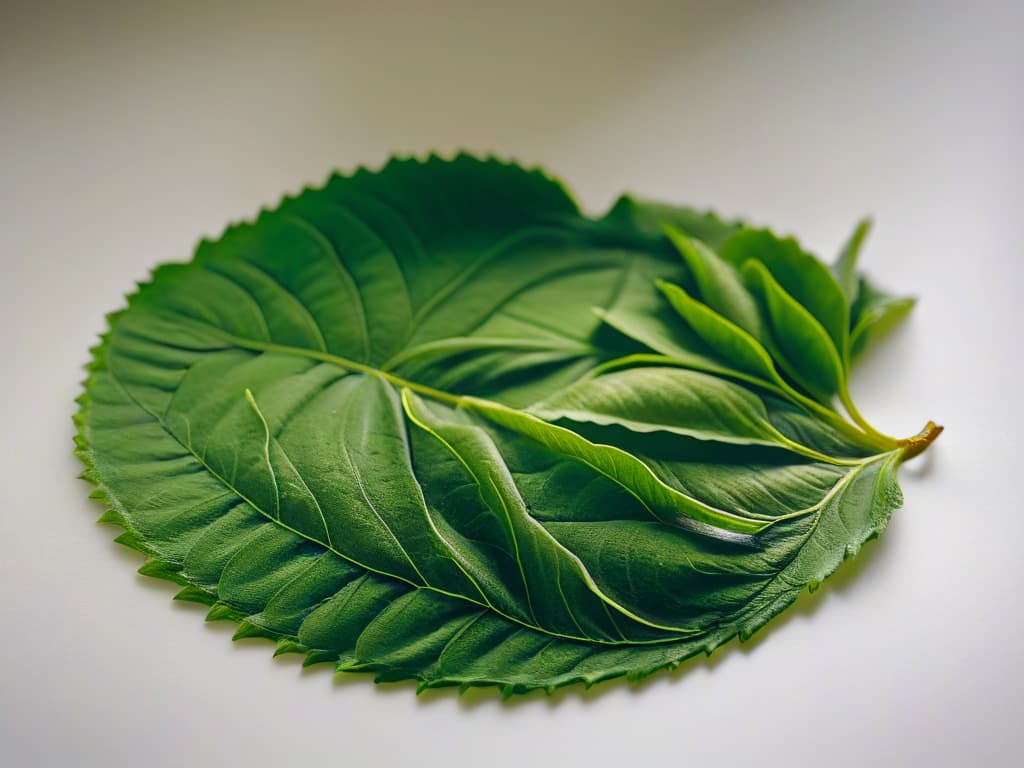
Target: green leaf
{"points": [[651, 399], [670, 399], [798, 273], [662, 501], [808, 354], [728, 340], [650, 218], [720, 285], [434, 424], [875, 313], [845, 269]]}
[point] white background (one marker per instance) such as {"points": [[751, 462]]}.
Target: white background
{"points": [[128, 132]]}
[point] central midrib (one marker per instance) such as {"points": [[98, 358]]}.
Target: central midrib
{"points": [[350, 365], [451, 399]]}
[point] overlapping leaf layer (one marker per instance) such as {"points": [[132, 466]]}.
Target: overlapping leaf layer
{"points": [[434, 423]]}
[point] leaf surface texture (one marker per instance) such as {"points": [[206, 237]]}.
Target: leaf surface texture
{"points": [[434, 423]]}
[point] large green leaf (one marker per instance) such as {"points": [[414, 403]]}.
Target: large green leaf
{"points": [[434, 423]]}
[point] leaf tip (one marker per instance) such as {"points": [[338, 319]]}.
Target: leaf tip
{"points": [[191, 594], [288, 645], [221, 612], [247, 629]]}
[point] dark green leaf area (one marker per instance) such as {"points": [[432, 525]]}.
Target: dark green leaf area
{"points": [[806, 352], [434, 423], [797, 425], [798, 273], [649, 218], [471, 277], [284, 582], [720, 286]]}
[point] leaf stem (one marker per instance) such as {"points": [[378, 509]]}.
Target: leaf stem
{"points": [[844, 397], [810, 453], [912, 446]]}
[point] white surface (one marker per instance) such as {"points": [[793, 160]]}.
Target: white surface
{"points": [[127, 133]]}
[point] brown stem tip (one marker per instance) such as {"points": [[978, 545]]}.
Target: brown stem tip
{"points": [[912, 446]]}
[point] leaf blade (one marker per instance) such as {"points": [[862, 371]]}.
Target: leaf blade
{"points": [[248, 435], [808, 354]]}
